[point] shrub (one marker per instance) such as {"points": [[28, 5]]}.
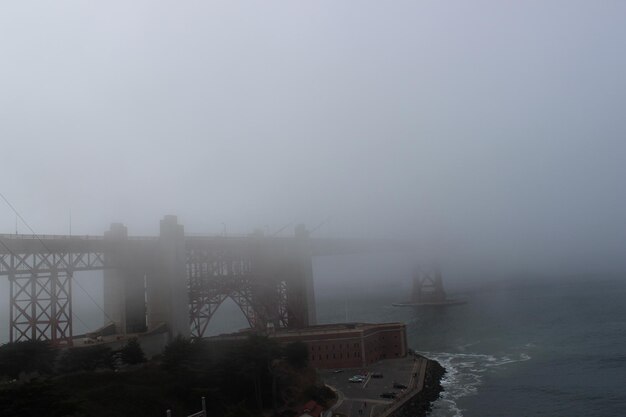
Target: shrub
{"points": [[85, 359]]}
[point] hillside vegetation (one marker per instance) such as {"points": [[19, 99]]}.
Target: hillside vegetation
{"points": [[245, 379]]}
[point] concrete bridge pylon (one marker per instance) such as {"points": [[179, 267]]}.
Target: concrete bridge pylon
{"points": [[146, 287], [167, 295]]}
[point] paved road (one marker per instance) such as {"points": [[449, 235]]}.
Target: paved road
{"points": [[363, 399]]}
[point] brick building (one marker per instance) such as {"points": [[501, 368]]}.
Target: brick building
{"points": [[341, 345], [349, 345]]}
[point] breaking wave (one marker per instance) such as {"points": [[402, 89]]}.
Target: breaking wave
{"points": [[464, 374]]}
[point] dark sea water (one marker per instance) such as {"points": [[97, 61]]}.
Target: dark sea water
{"points": [[542, 348]]}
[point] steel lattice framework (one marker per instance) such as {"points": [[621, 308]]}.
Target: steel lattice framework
{"points": [[40, 272], [214, 276], [283, 306], [41, 307], [46, 262]]}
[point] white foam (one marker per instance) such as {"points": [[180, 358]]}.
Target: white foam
{"points": [[464, 375], [506, 360]]}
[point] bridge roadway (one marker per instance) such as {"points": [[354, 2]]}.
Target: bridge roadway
{"points": [[60, 244], [173, 279]]}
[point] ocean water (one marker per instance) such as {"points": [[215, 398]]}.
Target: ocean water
{"points": [[540, 348], [553, 347]]}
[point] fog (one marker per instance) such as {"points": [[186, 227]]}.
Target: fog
{"points": [[491, 133]]}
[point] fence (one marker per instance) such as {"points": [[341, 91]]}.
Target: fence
{"points": [[201, 413]]}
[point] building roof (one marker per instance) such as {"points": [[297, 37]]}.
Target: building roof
{"points": [[320, 329], [335, 327], [311, 408]]}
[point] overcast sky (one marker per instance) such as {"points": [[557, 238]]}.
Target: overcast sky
{"points": [[491, 131]]}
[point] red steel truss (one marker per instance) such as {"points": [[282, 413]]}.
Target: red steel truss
{"points": [[212, 278], [41, 307]]}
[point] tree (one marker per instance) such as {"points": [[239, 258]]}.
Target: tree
{"points": [[256, 355], [29, 356], [86, 358], [178, 353], [35, 399], [297, 354], [132, 352]]}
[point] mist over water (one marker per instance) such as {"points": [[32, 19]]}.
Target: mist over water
{"points": [[516, 348], [489, 134], [519, 347]]}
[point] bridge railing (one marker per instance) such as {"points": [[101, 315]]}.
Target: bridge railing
{"points": [[216, 235], [67, 237], [49, 237]]}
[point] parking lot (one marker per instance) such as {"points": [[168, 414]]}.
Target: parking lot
{"points": [[364, 399]]}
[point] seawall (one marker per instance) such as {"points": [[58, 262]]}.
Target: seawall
{"points": [[418, 403]]}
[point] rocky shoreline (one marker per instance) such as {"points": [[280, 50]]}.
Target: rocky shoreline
{"points": [[420, 404]]}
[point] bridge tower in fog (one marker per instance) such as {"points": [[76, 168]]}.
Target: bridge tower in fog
{"points": [[428, 286], [144, 280]]}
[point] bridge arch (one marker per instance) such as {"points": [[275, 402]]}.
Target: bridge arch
{"points": [[203, 309]]}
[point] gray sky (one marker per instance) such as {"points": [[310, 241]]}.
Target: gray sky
{"points": [[492, 131]]}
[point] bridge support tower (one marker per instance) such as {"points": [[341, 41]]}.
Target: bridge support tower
{"points": [[428, 287]]}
